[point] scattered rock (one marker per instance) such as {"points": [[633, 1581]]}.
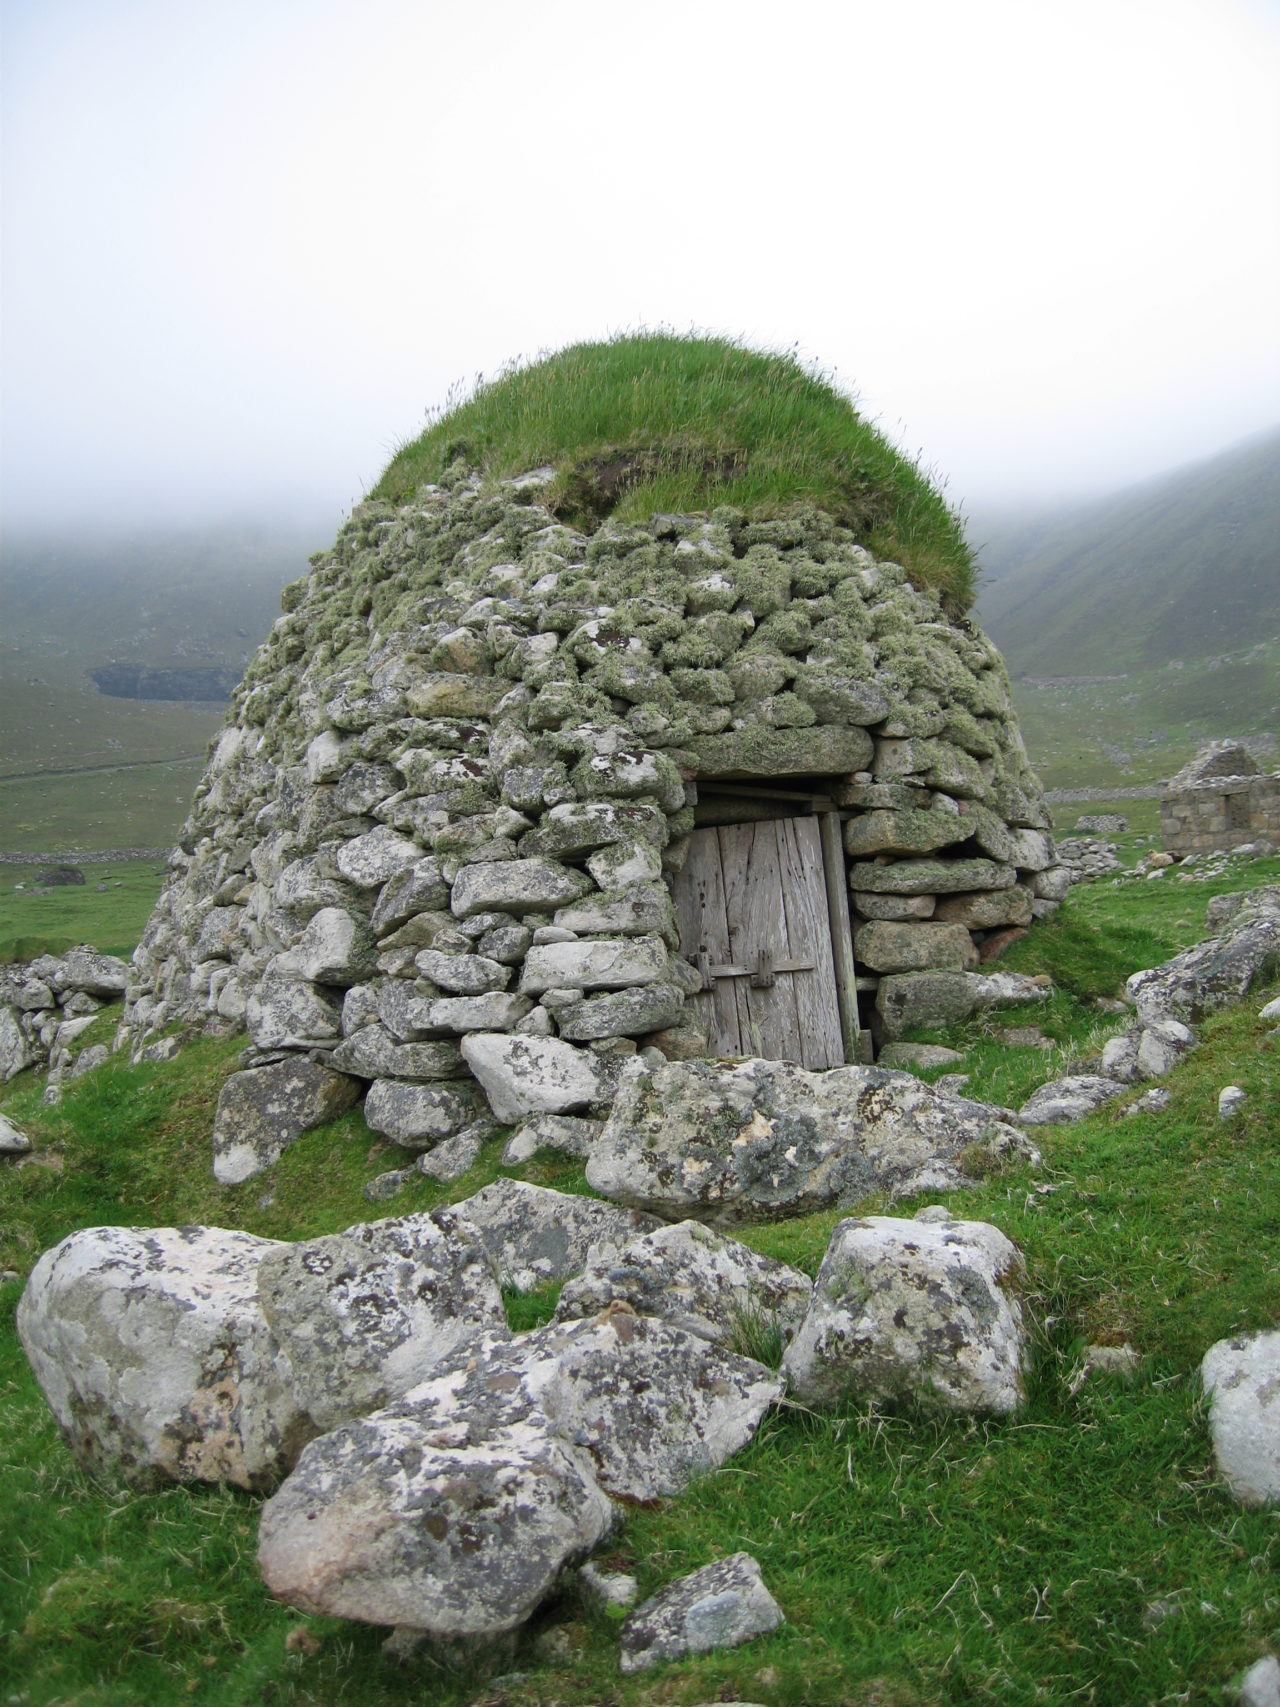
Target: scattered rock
{"points": [[1260, 1685], [12, 1142], [720, 1606], [1231, 1099], [1242, 1379], [924, 1307], [921, 1056], [1069, 1098], [261, 1112]]}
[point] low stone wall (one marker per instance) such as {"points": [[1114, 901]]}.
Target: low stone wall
{"points": [[1220, 813]]}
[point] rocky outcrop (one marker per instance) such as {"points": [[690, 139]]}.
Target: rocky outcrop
{"points": [[458, 824]]}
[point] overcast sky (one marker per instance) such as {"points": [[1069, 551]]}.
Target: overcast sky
{"points": [[248, 242]]}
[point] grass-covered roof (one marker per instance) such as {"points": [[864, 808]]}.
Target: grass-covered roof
{"points": [[657, 422]]}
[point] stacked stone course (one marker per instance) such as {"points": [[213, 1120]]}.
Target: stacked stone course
{"points": [[459, 776], [1219, 801]]}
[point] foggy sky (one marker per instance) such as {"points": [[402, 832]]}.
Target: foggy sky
{"points": [[246, 245]]}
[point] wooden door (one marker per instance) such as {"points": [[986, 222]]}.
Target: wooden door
{"points": [[751, 904]]}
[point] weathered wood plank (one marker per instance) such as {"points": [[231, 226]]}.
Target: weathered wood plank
{"points": [[767, 1018], [846, 973], [704, 930], [803, 888]]}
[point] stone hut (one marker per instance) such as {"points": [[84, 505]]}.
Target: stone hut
{"points": [[501, 804], [1218, 801]]}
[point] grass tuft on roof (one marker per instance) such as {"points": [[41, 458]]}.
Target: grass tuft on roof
{"points": [[657, 422]]}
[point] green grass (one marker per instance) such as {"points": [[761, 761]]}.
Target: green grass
{"points": [[655, 422], [50, 921], [921, 1563]]}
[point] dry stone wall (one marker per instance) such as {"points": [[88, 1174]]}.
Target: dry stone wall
{"points": [[1219, 801], [433, 843]]}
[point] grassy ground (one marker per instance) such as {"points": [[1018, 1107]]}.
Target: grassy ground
{"points": [[655, 422], [1080, 1552], [108, 910], [127, 806]]}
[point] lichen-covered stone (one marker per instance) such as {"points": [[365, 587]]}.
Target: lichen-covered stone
{"points": [[519, 885], [1241, 1377], [263, 1110], [1067, 1099], [417, 1116], [531, 1075], [698, 1280], [366, 1314], [931, 876], [926, 1308], [372, 1052], [720, 1606], [593, 965], [911, 945], [909, 999], [152, 1350], [288, 1013], [759, 1140], [536, 1235], [626, 1013]]}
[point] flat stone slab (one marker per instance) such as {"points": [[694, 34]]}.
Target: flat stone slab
{"points": [[755, 751], [418, 1116], [720, 1606], [515, 886], [931, 876], [755, 1140], [532, 1075]]}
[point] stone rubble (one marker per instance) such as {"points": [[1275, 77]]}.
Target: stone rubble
{"points": [[721, 1606], [47, 1003]]}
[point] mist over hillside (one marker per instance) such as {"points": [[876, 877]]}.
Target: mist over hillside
{"points": [[1137, 626], [1185, 566]]}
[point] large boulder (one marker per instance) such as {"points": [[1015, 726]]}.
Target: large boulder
{"points": [[755, 1140], [1242, 1379], [158, 1364], [366, 1314], [1218, 971], [926, 1308], [263, 1110]]}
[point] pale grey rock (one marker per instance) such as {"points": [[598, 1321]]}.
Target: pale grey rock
{"points": [[1051, 885], [1231, 1099], [457, 1155], [531, 1075], [601, 1588], [568, 1132], [720, 1606], [515, 886], [418, 1116], [623, 864], [625, 1013], [989, 911], [373, 1053], [462, 974], [498, 1010], [909, 1057], [83, 968], [594, 965], [12, 1141], [536, 1235], [931, 876], [393, 1520], [1241, 1377], [703, 1283], [302, 889], [925, 1307], [906, 1000], [652, 1407], [1033, 850], [757, 1140], [1219, 971], [1119, 1058], [574, 828], [914, 946], [894, 906], [383, 1187], [1154, 1101], [367, 1314], [1161, 1046], [335, 948], [262, 1111], [507, 944], [287, 1013], [637, 910], [96, 1055], [219, 934], [536, 1023], [153, 1353], [413, 889], [1260, 1685], [79, 1005], [1067, 1099], [375, 857], [1271, 1011], [17, 1049]]}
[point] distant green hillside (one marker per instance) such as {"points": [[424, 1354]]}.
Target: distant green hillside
{"points": [[1181, 568], [161, 611]]}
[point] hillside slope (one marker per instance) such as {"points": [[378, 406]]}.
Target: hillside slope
{"points": [[1183, 567]]}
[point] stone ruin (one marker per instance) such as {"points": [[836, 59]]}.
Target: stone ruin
{"points": [[1218, 801], [500, 804]]}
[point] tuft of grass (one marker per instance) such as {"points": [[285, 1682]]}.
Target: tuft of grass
{"points": [[652, 421]]}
